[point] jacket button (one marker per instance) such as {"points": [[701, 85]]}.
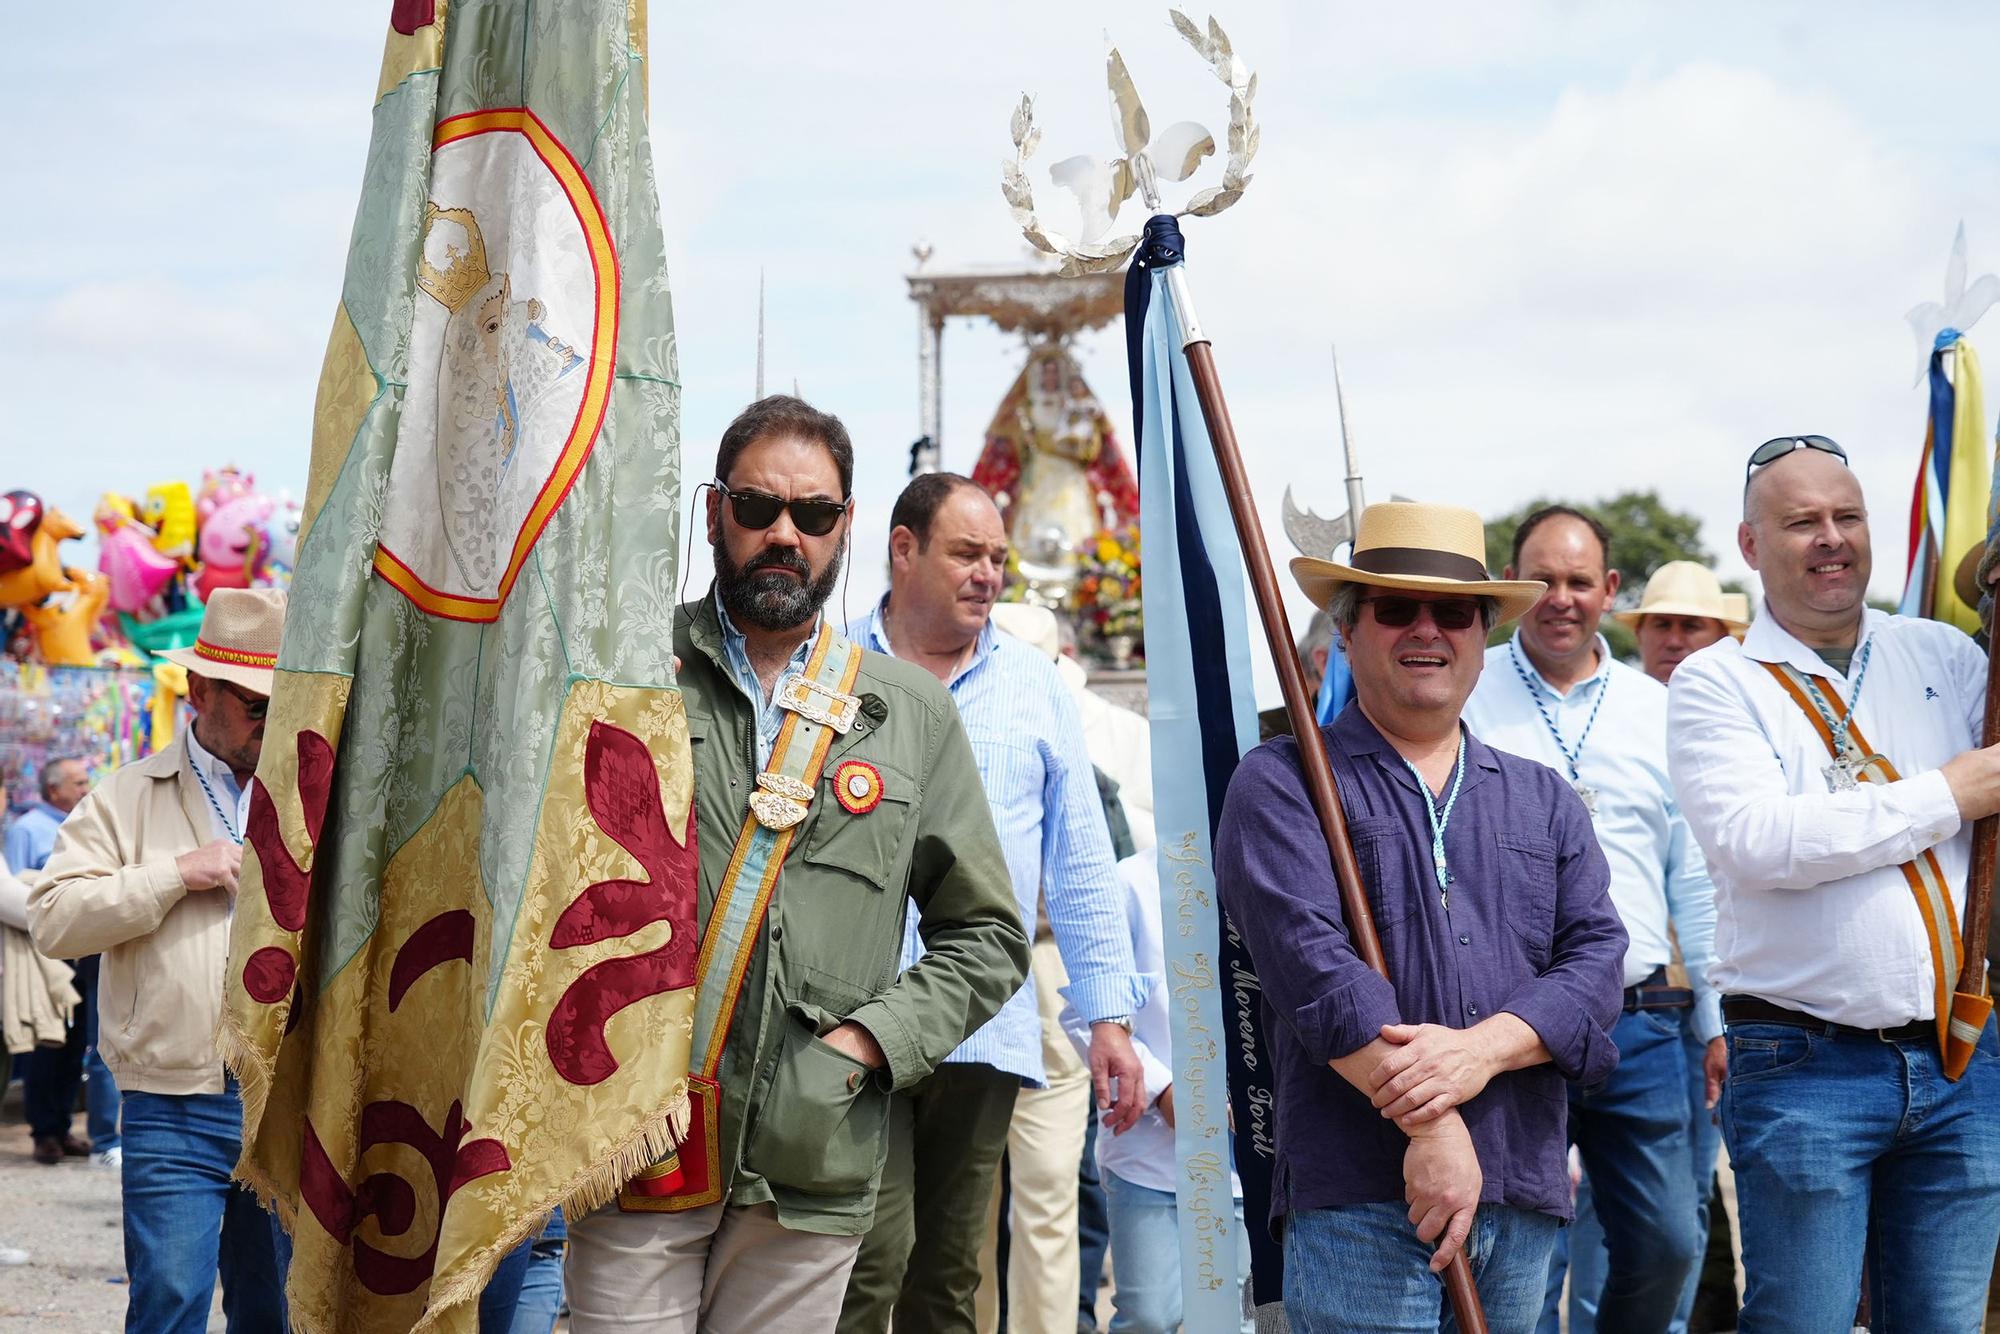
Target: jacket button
{"points": [[1465, 940], [1472, 1010], [853, 1080], [777, 932]]}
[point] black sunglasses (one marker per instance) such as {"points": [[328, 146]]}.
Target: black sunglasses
{"points": [[1447, 613], [1773, 450], [254, 706], [757, 511]]}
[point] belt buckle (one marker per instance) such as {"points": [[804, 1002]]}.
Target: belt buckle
{"points": [[818, 703]]}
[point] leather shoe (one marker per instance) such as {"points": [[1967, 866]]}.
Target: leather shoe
{"points": [[72, 1147], [48, 1150]]}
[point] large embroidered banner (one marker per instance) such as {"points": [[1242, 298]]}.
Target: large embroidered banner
{"points": [[462, 969]]}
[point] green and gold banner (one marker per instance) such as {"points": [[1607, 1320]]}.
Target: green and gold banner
{"points": [[462, 970]]}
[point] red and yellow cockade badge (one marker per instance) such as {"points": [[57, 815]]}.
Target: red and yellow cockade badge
{"points": [[857, 786]]}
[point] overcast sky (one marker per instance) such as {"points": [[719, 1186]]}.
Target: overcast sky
{"points": [[1564, 248]]}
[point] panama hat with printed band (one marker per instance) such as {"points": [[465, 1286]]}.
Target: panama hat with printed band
{"points": [[241, 629], [1418, 548]]}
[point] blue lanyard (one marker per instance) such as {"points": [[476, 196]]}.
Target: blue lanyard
{"points": [[1571, 758], [228, 825], [1439, 821], [1841, 746]]}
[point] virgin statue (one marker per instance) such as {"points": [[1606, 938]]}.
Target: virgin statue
{"points": [[1054, 468]]}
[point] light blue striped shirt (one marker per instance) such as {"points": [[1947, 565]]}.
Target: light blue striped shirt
{"points": [[769, 716], [1028, 743], [1658, 874]]}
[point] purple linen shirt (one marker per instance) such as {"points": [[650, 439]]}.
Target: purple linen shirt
{"points": [[1530, 930]]}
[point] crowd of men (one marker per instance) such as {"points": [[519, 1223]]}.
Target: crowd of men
{"points": [[1629, 914]]}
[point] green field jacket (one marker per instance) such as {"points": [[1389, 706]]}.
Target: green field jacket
{"points": [[802, 1125]]}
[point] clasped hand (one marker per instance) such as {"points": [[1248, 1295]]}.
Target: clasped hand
{"points": [[1431, 1070]]}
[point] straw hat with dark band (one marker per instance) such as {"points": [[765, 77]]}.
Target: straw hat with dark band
{"points": [[1417, 548], [241, 629]]}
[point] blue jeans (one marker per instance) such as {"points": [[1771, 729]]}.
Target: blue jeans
{"points": [[1707, 1123], [185, 1220], [1360, 1269], [1146, 1258], [541, 1297], [1844, 1145], [1635, 1135]]}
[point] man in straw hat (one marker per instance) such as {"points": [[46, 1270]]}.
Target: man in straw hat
{"points": [[1554, 693], [1829, 766], [144, 870], [1683, 611], [1445, 1089]]}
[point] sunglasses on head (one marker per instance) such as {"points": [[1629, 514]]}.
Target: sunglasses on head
{"points": [[756, 511], [1773, 450], [254, 706], [1447, 613]]}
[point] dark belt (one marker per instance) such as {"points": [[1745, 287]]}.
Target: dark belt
{"points": [[1655, 994], [1738, 1009]]}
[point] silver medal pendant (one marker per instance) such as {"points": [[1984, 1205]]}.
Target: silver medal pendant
{"points": [[1840, 775], [1587, 794]]}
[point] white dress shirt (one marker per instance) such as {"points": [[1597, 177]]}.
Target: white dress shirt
{"points": [[1657, 870], [1812, 910], [1145, 1154], [229, 814]]}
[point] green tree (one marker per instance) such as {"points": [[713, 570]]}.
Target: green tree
{"points": [[1646, 533]]}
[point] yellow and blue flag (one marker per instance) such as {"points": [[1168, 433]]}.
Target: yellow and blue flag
{"points": [[1948, 507]]}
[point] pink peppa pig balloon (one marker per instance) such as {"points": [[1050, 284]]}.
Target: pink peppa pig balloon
{"points": [[219, 486], [227, 541]]}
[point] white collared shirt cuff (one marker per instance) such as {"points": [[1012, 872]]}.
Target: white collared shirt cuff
{"points": [[1933, 810]]}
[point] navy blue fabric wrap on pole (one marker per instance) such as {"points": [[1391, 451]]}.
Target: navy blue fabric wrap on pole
{"points": [[1250, 1093]]}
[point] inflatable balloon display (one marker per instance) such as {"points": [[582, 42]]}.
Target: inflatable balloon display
{"points": [[219, 486], [20, 516], [63, 621], [138, 571], [43, 574], [169, 512], [229, 536]]}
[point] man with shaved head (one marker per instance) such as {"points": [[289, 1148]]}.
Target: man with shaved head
{"points": [[1829, 767]]}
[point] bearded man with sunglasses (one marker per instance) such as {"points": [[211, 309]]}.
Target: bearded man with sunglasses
{"points": [[834, 789], [145, 872], [1554, 693], [1406, 1104], [1830, 767]]}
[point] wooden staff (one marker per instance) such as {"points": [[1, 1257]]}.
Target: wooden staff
{"points": [[1298, 700], [1985, 842]]}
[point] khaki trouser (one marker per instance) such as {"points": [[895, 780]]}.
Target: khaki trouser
{"points": [[1044, 1151], [718, 1270]]}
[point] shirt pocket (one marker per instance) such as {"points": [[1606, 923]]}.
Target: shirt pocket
{"points": [[866, 844], [1382, 850], [1527, 864]]}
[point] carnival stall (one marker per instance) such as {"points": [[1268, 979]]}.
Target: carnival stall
{"points": [[79, 671]]}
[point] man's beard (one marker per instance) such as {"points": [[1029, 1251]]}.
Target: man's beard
{"points": [[757, 594]]}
